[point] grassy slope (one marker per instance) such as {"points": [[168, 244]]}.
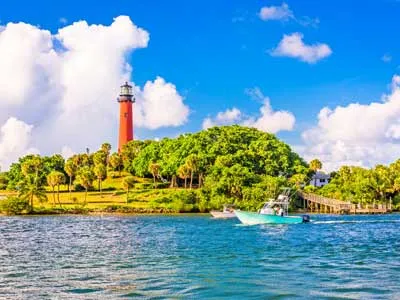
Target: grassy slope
{"points": [[113, 195]]}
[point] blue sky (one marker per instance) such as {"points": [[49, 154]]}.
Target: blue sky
{"points": [[213, 51]]}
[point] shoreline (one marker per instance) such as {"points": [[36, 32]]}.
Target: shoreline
{"points": [[148, 213]]}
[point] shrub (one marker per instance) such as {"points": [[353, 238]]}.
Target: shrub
{"points": [[310, 189], [143, 186], [14, 205], [80, 188], [3, 181], [162, 185], [114, 174]]}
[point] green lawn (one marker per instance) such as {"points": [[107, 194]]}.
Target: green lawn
{"points": [[142, 198]]}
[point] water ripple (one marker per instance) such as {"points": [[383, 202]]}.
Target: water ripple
{"points": [[180, 257]]}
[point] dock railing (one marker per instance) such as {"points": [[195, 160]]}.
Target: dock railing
{"points": [[321, 203]]}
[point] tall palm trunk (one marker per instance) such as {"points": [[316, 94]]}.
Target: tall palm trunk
{"points": [[58, 195], [185, 182], [200, 180], [191, 179], [101, 189], [154, 180], [54, 196], [173, 181], [69, 188]]}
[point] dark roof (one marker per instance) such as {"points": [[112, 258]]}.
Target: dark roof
{"points": [[321, 175]]}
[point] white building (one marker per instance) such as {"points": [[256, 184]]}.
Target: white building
{"points": [[320, 179]]}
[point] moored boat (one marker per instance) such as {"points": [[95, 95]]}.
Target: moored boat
{"points": [[226, 213], [273, 212]]}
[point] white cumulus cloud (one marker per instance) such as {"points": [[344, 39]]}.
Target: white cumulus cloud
{"points": [[293, 46], [282, 12], [159, 104], [65, 85], [357, 134], [268, 120], [15, 140], [227, 117]]}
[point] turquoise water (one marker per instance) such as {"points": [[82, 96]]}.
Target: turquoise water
{"points": [[192, 257]]}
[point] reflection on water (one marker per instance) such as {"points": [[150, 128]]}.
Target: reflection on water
{"points": [[78, 257]]}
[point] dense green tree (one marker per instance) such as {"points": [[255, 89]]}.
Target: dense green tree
{"points": [[3, 181], [85, 178], [147, 155], [226, 162], [130, 152], [298, 180], [53, 163], [116, 162]]}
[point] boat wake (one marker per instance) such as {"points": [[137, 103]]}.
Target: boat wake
{"points": [[354, 221]]}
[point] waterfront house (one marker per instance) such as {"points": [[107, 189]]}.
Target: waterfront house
{"points": [[320, 179]]}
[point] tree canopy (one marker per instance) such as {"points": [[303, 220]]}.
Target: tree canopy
{"points": [[224, 164]]}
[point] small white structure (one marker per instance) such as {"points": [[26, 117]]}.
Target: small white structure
{"points": [[320, 179]]}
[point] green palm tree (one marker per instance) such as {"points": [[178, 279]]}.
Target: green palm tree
{"points": [[184, 173], [55, 179], [31, 185], [154, 169], [30, 190], [116, 162], [315, 165], [52, 182], [192, 163], [100, 171], [128, 183], [70, 168], [106, 148], [60, 180], [85, 178]]}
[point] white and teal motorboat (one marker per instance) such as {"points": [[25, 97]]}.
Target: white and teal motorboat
{"points": [[275, 211]]}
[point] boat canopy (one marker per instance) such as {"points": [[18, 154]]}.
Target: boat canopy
{"points": [[282, 201]]}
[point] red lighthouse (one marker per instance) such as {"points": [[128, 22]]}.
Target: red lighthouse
{"points": [[125, 100]]}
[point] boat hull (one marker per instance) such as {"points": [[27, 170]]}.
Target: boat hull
{"points": [[251, 218], [222, 215]]}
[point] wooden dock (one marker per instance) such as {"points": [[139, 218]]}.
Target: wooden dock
{"points": [[320, 204]]}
